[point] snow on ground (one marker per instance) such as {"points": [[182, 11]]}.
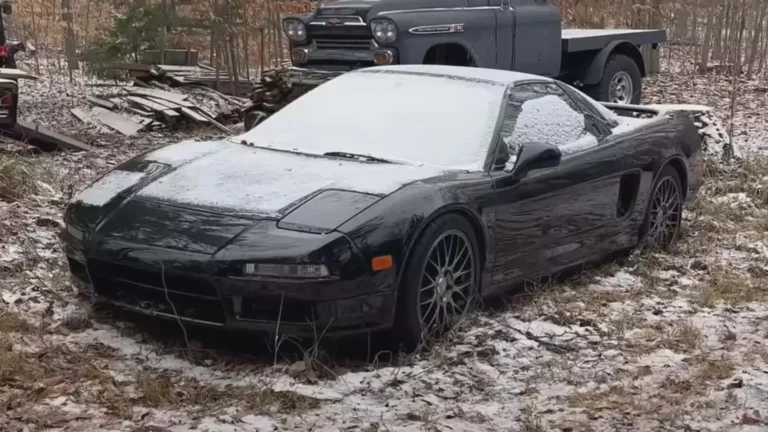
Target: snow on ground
{"points": [[656, 342]]}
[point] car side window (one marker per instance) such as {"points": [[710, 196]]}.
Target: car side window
{"points": [[542, 112], [599, 114]]}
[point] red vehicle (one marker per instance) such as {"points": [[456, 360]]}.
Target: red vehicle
{"points": [[9, 93]]}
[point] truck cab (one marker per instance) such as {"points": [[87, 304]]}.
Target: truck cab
{"points": [[519, 35]]}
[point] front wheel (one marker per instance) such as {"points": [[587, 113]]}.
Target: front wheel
{"points": [[622, 82], [440, 283], [664, 214]]}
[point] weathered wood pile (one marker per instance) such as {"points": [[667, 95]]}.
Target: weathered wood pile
{"points": [[234, 85], [279, 87], [147, 105]]}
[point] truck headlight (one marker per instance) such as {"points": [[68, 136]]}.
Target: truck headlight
{"points": [[295, 30], [384, 31], [286, 270]]}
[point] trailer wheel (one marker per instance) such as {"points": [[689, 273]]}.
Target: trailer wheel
{"points": [[621, 82], [252, 119]]}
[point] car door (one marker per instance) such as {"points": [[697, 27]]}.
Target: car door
{"points": [[553, 217]]}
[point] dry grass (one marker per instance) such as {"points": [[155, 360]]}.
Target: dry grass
{"points": [[16, 369], [19, 178], [530, 422], [12, 322], [159, 389], [683, 337], [713, 369], [731, 287]]}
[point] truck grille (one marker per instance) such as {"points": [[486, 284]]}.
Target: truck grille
{"points": [[339, 43]]}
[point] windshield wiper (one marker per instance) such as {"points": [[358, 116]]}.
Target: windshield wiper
{"points": [[364, 158]]}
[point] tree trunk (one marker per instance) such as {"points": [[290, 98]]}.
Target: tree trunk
{"points": [[70, 43], [740, 39], [231, 37], [34, 35], [717, 51], [261, 51], [704, 59], [757, 33]]}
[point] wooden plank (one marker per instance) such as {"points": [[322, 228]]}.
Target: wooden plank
{"points": [[14, 74], [81, 115], [44, 138], [118, 122], [140, 83], [166, 103], [217, 124], [193, 115], [129, 66], [177, 98], [178, 69], [146, 103], [100, 102]]}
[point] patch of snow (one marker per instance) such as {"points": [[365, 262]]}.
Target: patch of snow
{"points": [[665, 108], [586, 142], [550, 120], [418, 119], [628, 124], [185, 151], [620, 281], [107, 187], [253, 180], [472, 73]]}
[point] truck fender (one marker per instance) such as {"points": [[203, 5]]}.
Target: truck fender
{"points": [[442, 40], [594, 72]]}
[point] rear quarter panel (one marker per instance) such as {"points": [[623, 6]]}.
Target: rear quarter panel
{"points": [[669, 139]]}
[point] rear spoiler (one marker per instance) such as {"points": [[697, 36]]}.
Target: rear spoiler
{"points": [[657, 109]]}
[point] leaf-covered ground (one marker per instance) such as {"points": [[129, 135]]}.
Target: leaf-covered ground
{"points": [[656, 342]]}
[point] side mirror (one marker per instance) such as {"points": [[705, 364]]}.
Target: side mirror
{"points": [[535, 155]]}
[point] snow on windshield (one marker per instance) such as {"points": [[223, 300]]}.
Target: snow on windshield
{"points": [[419, 119]]}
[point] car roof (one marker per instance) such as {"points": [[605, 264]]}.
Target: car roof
{"points": [[470, 73]]}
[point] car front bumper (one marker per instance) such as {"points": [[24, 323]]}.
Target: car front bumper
{"points": [[127, 276]]}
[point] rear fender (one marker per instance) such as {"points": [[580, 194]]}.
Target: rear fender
{"points": [[594, 72]]}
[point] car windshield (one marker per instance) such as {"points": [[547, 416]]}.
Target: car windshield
{"points": [[402, 117]]}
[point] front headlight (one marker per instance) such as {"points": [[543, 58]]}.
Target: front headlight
{"points": [[295, 29], [286, 270], [384, 31]]}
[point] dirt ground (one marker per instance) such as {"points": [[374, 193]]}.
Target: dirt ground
{"points": [[655, 342]]}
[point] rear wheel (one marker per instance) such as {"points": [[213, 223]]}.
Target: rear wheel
{"points": [[622, 81], [439, 286], [664, 215]]}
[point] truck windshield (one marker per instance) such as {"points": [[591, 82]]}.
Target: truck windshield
{"points": [[400, 117]]}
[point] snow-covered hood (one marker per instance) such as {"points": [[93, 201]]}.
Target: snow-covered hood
{"points": [[233, 178]]}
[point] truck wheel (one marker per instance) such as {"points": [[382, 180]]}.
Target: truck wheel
{"points": [[621, 83]]}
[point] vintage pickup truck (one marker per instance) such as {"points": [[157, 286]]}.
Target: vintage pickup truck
{"points": [[520, 35]]}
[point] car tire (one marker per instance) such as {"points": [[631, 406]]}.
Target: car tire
{"points": [[667, 191], [622, 71], [445, 251]]}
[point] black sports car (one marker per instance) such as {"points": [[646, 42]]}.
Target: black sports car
{"points": [[389, 197]]}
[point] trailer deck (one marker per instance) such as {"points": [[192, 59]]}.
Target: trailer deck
{"points": [[578, 40]]}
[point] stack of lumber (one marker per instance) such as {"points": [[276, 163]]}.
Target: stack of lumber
{"points": [[206, 76], [143, 106], [180, 75]]}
